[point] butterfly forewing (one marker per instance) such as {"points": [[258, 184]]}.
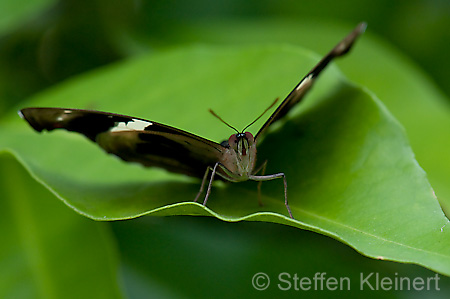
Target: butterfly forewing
{"points": [[133, 139], [302, 88]]}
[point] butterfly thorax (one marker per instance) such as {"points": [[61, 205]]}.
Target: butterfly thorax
{"points": [[239, 161]]}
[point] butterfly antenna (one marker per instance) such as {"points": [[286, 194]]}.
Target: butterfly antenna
{"points": [[213, 113], [267, 109]]}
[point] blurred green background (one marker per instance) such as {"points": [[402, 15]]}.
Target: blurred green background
{"points": [[43, 43]]}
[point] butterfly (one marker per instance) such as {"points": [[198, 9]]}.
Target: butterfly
{"points": [[154, 144]]}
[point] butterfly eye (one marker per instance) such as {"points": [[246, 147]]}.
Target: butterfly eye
{"points": [[232, 141], [249, 137]]}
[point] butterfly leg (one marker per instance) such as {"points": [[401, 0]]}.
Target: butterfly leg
{"points": [[261, 168], [205, 176], [272, 177], [203, 183], [210, 183]]}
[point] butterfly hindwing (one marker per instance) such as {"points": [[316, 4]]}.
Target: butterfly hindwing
{"points": [[132, 139], [175, 152]]}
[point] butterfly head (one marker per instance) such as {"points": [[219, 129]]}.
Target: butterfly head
{"points": [[241, 142], [241, 137]]}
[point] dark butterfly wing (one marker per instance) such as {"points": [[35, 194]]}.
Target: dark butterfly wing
{"points": [[305, 84], [132, 139]]}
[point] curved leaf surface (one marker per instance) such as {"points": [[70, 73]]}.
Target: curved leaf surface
{"points": [[351, 173], [47, 250]]}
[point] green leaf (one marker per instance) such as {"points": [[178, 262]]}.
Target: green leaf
{"points": [[221, 259], [351, 173], [48, 251], [404, 88]]}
